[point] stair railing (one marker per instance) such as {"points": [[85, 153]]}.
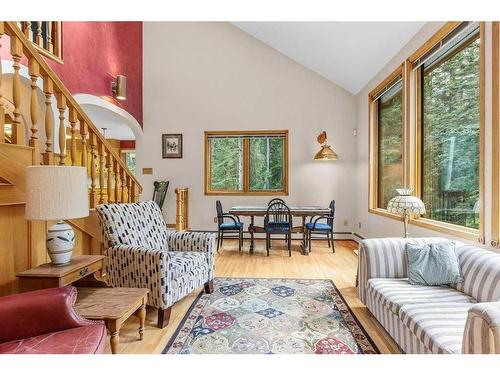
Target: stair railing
{"points": [[110, 181]]}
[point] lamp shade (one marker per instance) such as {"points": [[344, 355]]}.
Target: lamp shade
{"points": [[56, 193], [405, 203], [326, 153]]}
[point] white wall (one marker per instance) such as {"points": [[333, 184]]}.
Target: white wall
{"points": [[212, 76], [373, 225]]}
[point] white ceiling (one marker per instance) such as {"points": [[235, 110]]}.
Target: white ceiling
{"points": [[349, 54]]}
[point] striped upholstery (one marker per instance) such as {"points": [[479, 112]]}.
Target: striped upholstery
{"points": [[432, 319], [141, 253], [439, 326], [394, 293], [392, 323], [384, 258], [481, 271], [482, 331]]}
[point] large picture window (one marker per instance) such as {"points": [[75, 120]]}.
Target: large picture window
{"points": [[450, 131], [386, 141], [243, 163]]}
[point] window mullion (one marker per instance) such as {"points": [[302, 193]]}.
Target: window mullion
{"points": [[246, 165]]}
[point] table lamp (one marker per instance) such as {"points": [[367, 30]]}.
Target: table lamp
{"points": [[57, 193], [405, 205]]}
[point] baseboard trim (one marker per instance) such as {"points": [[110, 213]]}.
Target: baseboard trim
{"points": [[297, 236]]}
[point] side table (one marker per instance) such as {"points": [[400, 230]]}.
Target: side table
{"points": [[81, 270], [114, 306]]}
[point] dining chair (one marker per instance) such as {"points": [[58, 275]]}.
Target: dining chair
{"points": [[278, 220], [232, 226], [160, 191], [274, 200], [322, 228]]}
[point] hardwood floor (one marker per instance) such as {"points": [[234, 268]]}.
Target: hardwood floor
{"points": [[320, 264]]}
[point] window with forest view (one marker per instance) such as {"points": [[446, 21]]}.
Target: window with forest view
{"points": [[246, 163], [390, 144], [450, 134]]}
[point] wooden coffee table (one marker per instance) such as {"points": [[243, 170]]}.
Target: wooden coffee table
{"points": [[114, 306]]}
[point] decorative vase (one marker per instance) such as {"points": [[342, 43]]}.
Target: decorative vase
{"points": [[60, 243]]}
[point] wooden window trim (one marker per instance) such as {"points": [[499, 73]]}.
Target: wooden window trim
{"points": [[415, 76], [495, 119], [246, 164], [373, 141]]}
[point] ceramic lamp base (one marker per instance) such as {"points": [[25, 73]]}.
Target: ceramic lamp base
{"points": [[60, 242]]}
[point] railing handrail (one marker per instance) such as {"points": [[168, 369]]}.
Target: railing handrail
{"points": [[59, 86]]}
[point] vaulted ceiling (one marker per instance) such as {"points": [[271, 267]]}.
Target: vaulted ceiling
{"points": [[349, 54]]}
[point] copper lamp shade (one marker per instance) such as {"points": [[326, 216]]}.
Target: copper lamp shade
{"points": [[326, 152]]}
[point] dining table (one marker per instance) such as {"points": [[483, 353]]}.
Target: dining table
{"points": [[296, 211]]}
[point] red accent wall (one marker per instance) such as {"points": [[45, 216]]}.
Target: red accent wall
{"points": [[94, 53]]}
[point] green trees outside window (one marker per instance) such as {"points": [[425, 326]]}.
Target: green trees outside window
{"points": [[451, 136], [266, 164], [246, 163], [390, 144], [226, 164]]}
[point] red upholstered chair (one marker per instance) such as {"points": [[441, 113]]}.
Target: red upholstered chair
{"points": [[45, 322]]}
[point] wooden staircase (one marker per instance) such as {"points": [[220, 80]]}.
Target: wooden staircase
{"points": [[22, 243]]}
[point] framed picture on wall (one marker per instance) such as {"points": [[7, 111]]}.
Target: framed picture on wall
{"points": [[171, 146]]}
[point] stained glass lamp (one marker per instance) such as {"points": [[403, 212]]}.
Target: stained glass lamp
{"points": [[405, 205]]}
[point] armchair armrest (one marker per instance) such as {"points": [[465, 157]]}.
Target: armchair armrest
{"points": [[482, 330], [40, 312], [234, 218], [384, 258], [138, 267], [226, 214], [318, 218], [194, 241]]}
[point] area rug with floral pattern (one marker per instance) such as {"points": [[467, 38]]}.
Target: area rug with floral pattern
{"points": [[266, 316]]}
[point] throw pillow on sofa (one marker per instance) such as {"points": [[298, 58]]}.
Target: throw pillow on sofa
{"points": [[433, 264]]}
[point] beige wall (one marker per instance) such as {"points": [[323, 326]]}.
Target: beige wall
{"points": [[212, 76], [373, 225]]}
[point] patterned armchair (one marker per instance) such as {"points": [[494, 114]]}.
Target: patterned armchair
{"points": [[141, 253]]}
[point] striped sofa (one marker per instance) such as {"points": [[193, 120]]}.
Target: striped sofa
{"points": [[462, 318]]}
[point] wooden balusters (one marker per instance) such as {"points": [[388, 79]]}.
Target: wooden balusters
{"points": [[129, 189], [102, 162], [116, 166], [2, 111], [39, 37], [109, 171], [48, 89], [16, 50], [61, 106], [27, 29], [50, 45], [123, 177], [34, 71], [84, 134], [116, 183], [93, 161], [73, 117], [136, 192]]}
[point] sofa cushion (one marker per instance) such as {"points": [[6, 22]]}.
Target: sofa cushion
{"points": [[433, 264], [181, 263], [439, 326], [395, 293], [81, 340]]}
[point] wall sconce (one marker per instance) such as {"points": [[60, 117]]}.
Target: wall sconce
{"points": [[119, 87], [326, 153]]}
